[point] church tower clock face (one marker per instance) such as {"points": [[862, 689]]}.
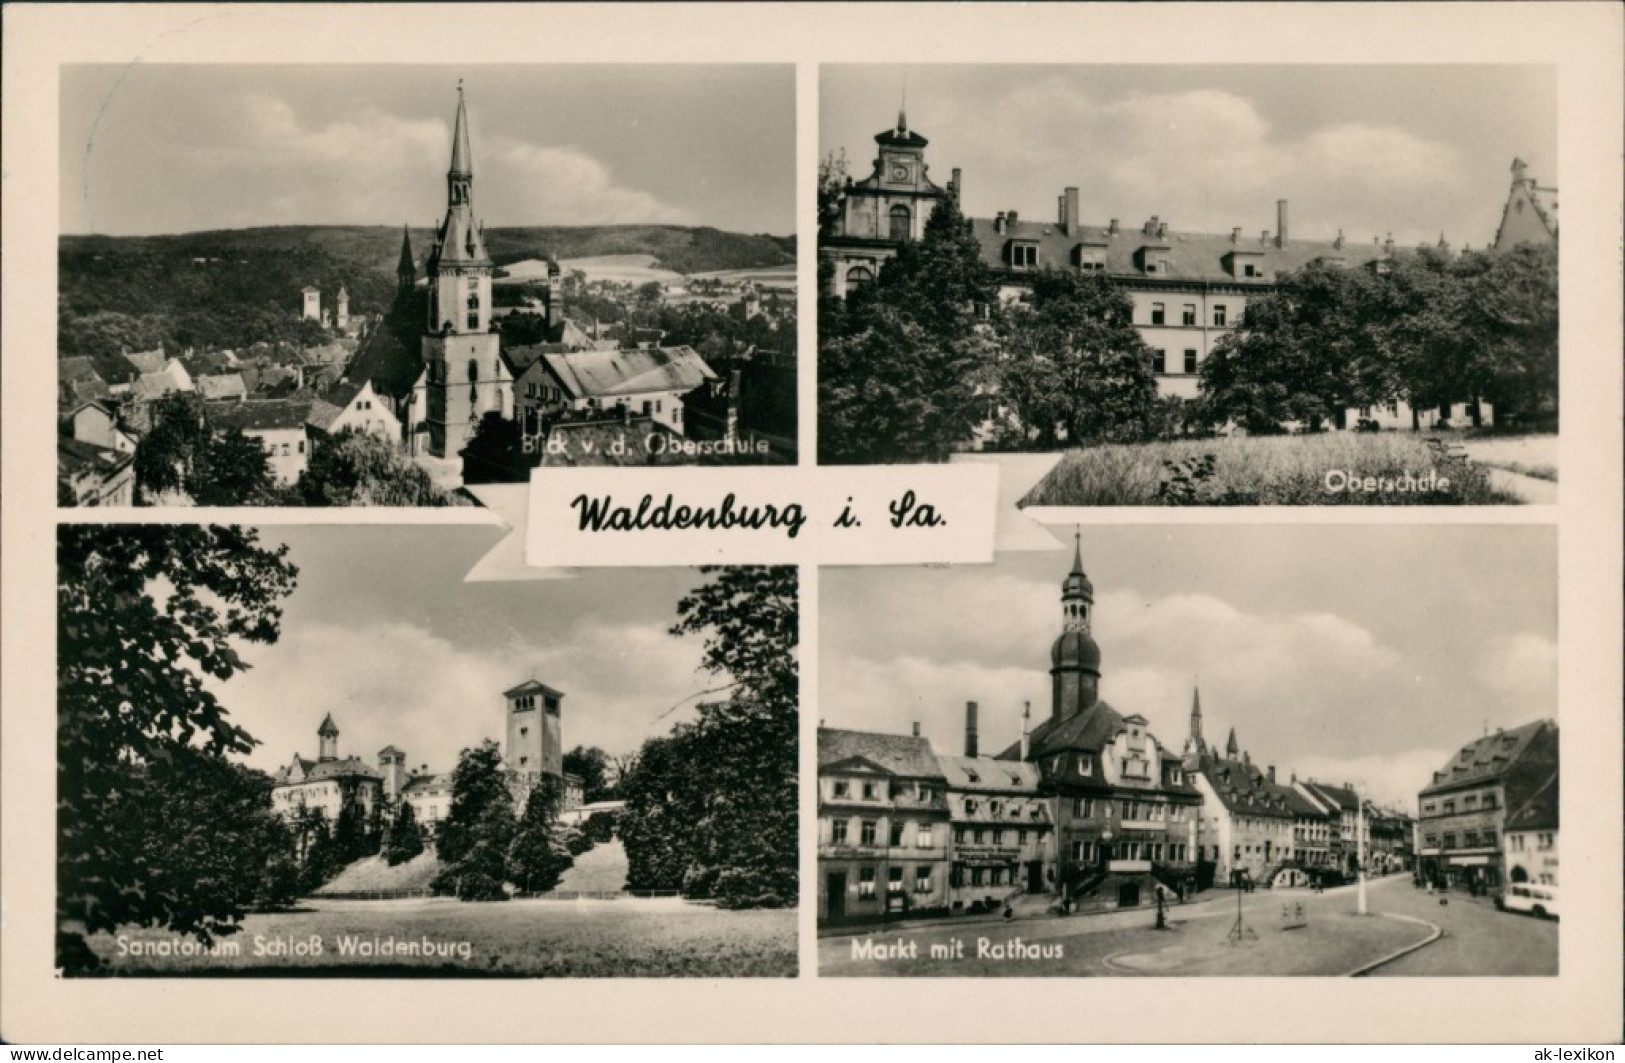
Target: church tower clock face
{"points": [[901, 172]]}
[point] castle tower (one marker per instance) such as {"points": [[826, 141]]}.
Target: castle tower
{"points": [[555, 293], [1075, 658], [392, 764], [462, 356], [313, 304], [343, 312], [1530, 214], [328, 739], [1231, 746], [535, 730]]}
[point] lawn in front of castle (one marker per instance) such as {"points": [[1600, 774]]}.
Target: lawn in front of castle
{"points": [[445, 938]]}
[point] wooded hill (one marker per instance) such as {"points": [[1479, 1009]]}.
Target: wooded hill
{"points": [[233, 287]]}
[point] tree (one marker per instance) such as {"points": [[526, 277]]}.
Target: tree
{"points": [[404, 840], [359, 469], [1509, 321], [749, 618], [182, 454], [592, 766], [473, 839], [495, 454], [832, 181], [538, 854], [899, 363], [1075, 361], [146, 614]]}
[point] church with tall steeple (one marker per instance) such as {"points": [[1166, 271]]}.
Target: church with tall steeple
{"points": [[465, 374]]}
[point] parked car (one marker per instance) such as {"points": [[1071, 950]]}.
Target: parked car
{"points": [[1537, 900]]}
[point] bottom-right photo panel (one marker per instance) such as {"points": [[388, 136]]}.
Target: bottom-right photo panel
{"points": [[1222, 750]]}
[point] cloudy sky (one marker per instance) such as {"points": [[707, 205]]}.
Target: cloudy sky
{"points": [[383, 633], [1368, 149], [166, 148], [1344, 653]]}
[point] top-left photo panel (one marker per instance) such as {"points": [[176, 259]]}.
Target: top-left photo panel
{"points": [[373, 285]]}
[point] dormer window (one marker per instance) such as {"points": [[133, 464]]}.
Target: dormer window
{"points": [[1089, 258], [1022, 254]]}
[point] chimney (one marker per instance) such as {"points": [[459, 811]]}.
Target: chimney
{"points": [[1150, 226], [998, 222], [970, 728], [1388, 244], [1263, 236], [1338, 243], [1026, 721], [1235, 235], [955, 186], [1270, 772], [1162, 228], [916, 728], [1280, 223], [1070, 202], [1010, 219], [1111, 230]]}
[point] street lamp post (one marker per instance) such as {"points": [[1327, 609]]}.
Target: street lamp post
{"points": [[1360, 846]]}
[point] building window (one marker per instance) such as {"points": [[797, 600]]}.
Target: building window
{"points": [[1158, 313], [979, 836], [1083, 807], [842, 788], [1188, 315], [866, 834], [301, 446], [837, 831], [1450, 808], [1219, 316], [1249, 270], [1159, 361], [869, 791], [858, 276], [1489, 801], [866, 882], [922, 880], [1023, 256], [922, 836], [1190, 361], [1449, 841], [894, 880], [900, 218], [896, 833]]}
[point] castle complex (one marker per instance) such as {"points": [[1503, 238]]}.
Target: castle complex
{"points": [[533, 748]]}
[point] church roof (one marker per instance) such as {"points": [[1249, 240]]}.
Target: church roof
{"points": [[392, 367], [904, 755], [462, 158], [604, 374], [1487, 759], [1189, 255]]}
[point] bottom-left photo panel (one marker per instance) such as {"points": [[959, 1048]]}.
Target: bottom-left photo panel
{"points": [[316, 751]]}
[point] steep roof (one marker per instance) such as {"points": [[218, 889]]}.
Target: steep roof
{"points": [[428, 782], [605, 374], [391, 365], [147, 361], [222, 386], [1337, 796], [75, 458], [1485, 759], [316, 770], [905, 755], [1244, 790], [1539, 812], [1189, 255], [989, 774], [1090, 730]]}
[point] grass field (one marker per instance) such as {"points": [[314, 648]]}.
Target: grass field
{"points": [[1270, 470], [516, 939]]}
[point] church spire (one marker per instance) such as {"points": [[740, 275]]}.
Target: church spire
{"points": [[406, 271], [1077, 593], [1197, 742], [462, 159], [1231, 746]]}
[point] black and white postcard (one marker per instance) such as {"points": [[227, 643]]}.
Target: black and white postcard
{"points": [[812, 523]]}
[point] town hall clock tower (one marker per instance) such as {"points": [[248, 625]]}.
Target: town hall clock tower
{"points": [[464, 374]]}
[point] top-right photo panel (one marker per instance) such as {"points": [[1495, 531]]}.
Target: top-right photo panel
{"points": [[1195, 285]]}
